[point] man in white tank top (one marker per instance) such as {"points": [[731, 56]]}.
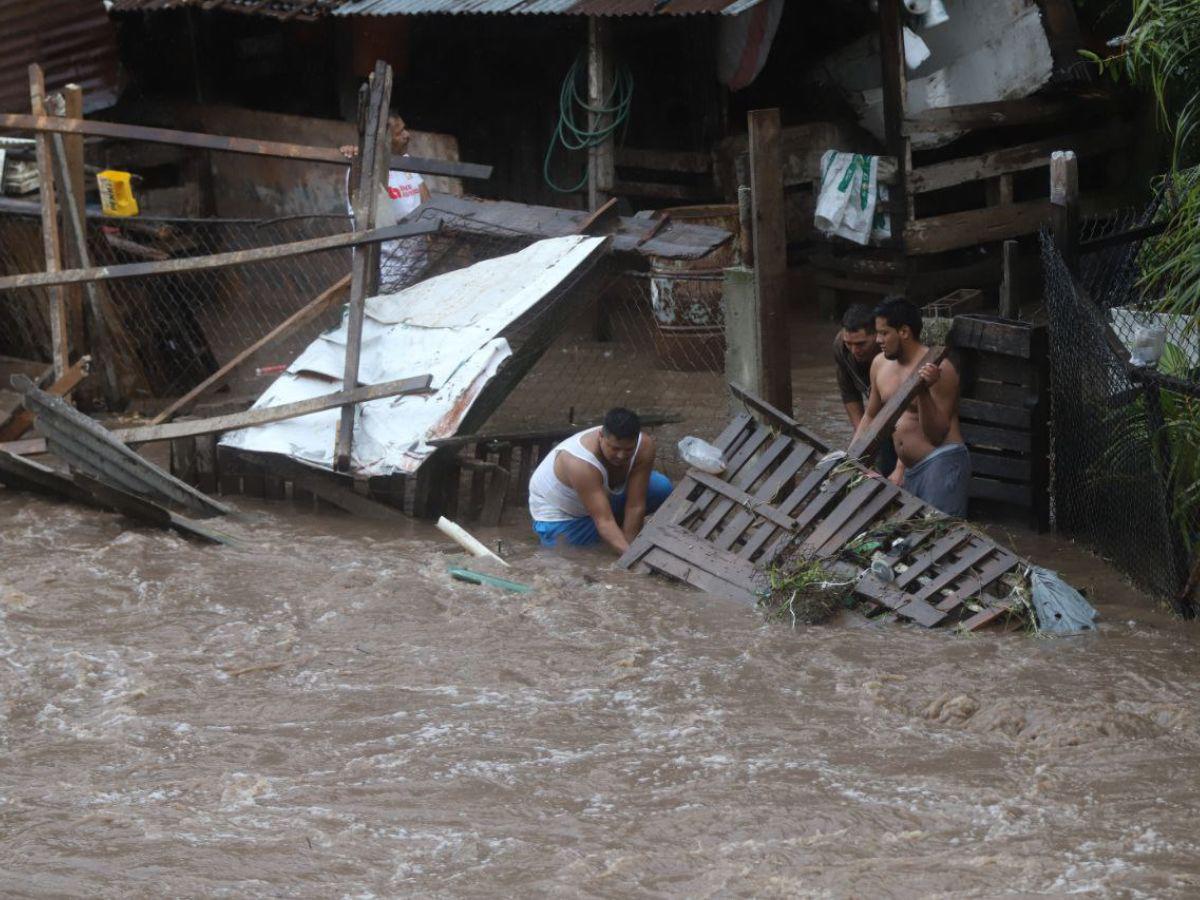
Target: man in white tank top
{"points": [[597, 485]]}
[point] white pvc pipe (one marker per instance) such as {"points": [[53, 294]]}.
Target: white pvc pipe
{"points": [[459, 535]]}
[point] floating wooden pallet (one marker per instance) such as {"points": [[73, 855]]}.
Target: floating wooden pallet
{"points": [[782, 494]]}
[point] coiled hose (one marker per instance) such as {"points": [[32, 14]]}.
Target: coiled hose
{"points": [[573, 136]]}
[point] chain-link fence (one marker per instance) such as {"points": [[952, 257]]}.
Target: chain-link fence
{"points": [[1125, 454], [651, 339]]}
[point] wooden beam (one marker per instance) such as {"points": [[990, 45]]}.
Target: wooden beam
{"points": [[895, 101], [1000, 113], [365, 266], [600, 71], [57, 311], [690, 162], [863, 447], [109, 325], [1009, 307], [1064, 201], [219, 260], [1033, 155], [334, 489], [72, 96], [22, 420], [975, 226], [770, 254], [42, 124], [145, 434], [603, 218], [324, 301]]}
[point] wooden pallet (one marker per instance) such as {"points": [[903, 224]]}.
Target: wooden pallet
{"points": [[782, 494]]}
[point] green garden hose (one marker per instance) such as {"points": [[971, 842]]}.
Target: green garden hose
{"points": [[568, 131]]}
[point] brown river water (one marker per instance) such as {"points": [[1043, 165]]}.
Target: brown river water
{"points": [[322, 712]]}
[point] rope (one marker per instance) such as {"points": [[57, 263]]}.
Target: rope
{"points": [[570, 134]]}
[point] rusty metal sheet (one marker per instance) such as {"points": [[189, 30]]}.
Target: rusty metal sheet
{"points": [[293, 10], [544, 7], [74, 42]]}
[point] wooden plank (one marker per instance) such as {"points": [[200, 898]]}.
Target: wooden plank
{"points": [[705, 556], [985, 617], [996, 466], [312, 310], [479, 479], [1009, 304], [1064, 201], [1033, 155], [1001, 113], [953, 231], [894, 85], [601, 73], [978, 581], [604, 216], [860, 520], [183, 460], [744, 480], [57, 311], [1002, 491], [994, 413], [1007, 394], [497, 489], [949, 573], [219, 260], [778, 420], [1006, 369], [998, 438], [851, 503], [766, 492], [770, 254], [143, 510], [42, 124], [734, 495], [944, 545], [72, 95], [871, 588], [206, 463], [22, 420], [693, 163], [749, 447], [981, 332], [866, 441], [662, 561]]}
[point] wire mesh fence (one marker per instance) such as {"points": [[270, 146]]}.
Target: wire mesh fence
{"points": [[1125, 453], [651, 340]]}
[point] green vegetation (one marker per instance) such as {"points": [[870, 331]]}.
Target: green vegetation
{"points": [[804, 592]]}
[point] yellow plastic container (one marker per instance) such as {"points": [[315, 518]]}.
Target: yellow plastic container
{"points": [[116, 193]]}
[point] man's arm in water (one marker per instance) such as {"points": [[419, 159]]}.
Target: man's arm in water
{"points": [[937, 404], [589, 485], [635, 490]]}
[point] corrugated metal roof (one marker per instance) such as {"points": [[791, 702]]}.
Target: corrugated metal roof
{"points": [[544, 7], [307, 10], [293, 10], [72, 40]]}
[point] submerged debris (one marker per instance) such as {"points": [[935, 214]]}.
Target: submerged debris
{"points": [[804, 592]]}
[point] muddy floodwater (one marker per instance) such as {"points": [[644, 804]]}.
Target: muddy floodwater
{"points": [[322, 712]]}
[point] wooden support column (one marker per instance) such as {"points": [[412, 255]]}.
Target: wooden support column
{"points": [[73, 109], [600, 70], [374, 156], [895, 99], [770, 254], [1009, 307], [1064, 201], [50, 240]]}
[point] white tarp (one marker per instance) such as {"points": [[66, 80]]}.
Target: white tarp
{"points": [[448, 326]]}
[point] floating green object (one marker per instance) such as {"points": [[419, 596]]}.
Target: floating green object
{"points": [[489, 580]]}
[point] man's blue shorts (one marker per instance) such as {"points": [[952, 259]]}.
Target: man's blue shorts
{"points": [[582, 531]]}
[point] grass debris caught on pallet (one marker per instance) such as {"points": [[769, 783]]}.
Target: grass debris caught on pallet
{"points": [[804, 592]]}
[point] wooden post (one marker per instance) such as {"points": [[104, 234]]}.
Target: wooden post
{"points": [[1009, 308], [73, 109], [50, 240], [1064, 197], [373, 151], [895, 91], [746, 225], [770, 254], [601, 173]]}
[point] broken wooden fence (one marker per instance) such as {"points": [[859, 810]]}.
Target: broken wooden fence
{"points": [[783, 493]]}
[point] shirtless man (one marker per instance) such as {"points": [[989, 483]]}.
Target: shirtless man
{"points": [[933, 460], [598, 484]]}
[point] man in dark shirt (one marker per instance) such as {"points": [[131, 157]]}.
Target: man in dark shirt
{"points": [[854, 349]]}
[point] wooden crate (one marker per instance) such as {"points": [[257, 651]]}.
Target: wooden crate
{"points": [[1004, 412]]}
